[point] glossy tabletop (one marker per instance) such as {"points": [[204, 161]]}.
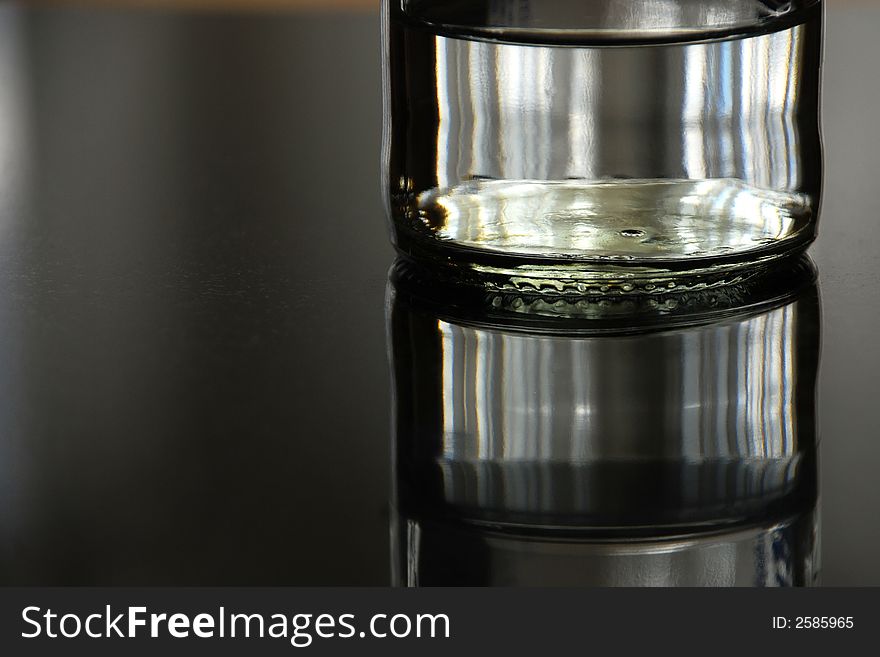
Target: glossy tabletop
{"points": [[194, 376]]}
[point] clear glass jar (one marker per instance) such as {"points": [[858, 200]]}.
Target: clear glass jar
{"points": [[572, 145]]}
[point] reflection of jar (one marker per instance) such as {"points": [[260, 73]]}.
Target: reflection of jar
{"points": [[632, 435], [524, 145]]}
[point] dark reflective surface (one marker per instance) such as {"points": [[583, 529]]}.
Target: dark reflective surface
{"points": [[194, 383], [663, 440], [193, 370]]}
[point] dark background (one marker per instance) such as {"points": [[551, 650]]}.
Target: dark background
{"points": [[193, 256]]}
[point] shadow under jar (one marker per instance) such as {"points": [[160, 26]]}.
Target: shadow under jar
{"points": [[564, 144]]}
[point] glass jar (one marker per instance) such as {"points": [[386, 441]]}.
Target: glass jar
{"points": [[572, 146]]}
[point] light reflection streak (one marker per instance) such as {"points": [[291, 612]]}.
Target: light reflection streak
{"points": [[511, 397], [512, 117]]}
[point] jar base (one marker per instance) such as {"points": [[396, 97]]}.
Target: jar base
{"points": [[587, 276]]}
